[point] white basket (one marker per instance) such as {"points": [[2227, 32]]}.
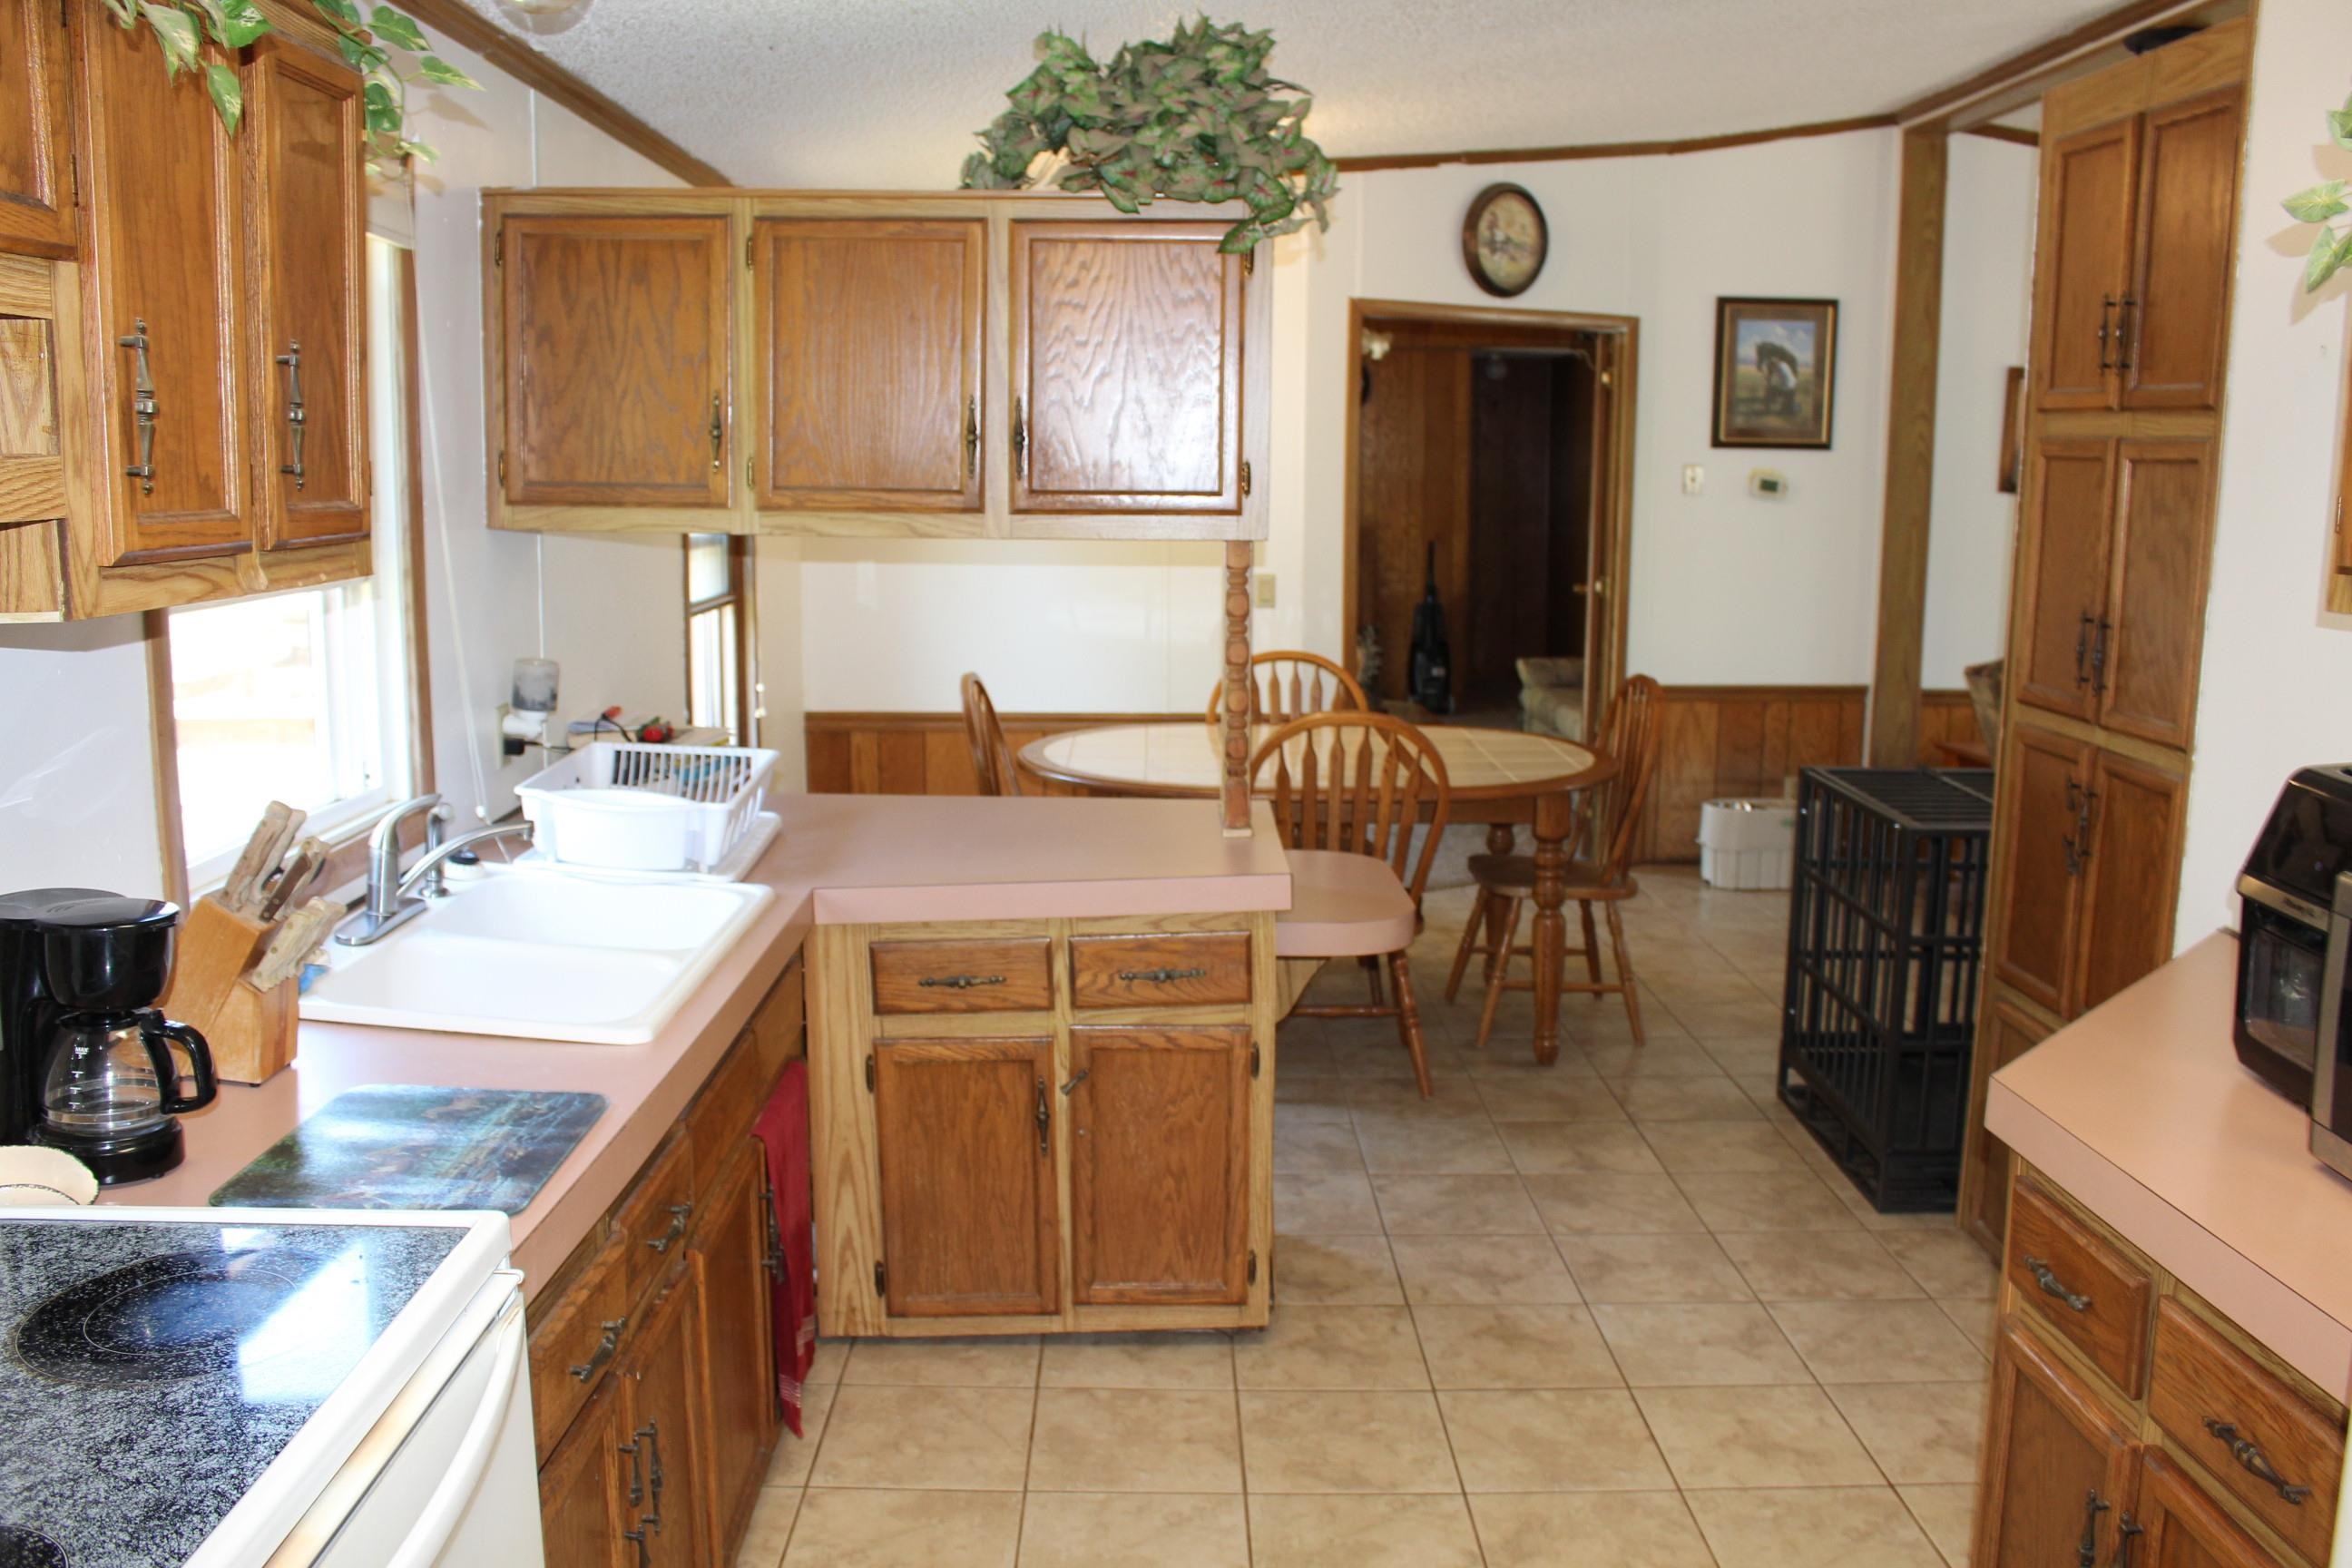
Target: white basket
{"points": [[628, 806], [1747, 843]]}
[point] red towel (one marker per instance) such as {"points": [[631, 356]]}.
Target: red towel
{"points": [[783, 1129]]}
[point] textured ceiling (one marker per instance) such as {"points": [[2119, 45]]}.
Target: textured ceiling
{"points": [[887, 94]]}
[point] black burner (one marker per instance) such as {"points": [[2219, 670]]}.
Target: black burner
{"points": [[21, 1547], [160, 1320]]}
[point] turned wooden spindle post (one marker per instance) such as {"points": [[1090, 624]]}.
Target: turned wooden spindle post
{"points": [[1233, 793]]}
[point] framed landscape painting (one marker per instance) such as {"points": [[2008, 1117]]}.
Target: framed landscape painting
{"points": [[1775, 371]]}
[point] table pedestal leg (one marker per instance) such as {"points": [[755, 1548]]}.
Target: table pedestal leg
{"points": [[1554, 817]]}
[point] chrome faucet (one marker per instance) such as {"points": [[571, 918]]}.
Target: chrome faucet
{"points": [[392, 901]]}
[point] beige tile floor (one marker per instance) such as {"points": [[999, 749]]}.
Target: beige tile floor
{"points": [[1615, 1313]]}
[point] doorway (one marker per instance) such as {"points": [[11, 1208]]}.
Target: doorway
{"points": [[1487, 461]]}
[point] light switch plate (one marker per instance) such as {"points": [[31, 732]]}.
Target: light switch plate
{"points": [[1694, 478], [1264, 581]]}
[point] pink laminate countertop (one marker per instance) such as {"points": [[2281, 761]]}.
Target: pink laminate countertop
{"points": [[840, 860], [2140, 1111]]}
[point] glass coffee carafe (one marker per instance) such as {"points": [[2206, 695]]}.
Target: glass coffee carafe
{"points": [[112, 1079]]}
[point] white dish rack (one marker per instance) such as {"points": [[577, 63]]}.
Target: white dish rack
{"points": [[629, 806]]}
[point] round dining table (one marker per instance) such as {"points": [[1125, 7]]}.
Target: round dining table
{"points": [[1503, 778]]}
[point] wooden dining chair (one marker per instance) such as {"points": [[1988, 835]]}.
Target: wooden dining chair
{"points": [[1288, 683], [1347, 789], [992, 757], [1599, 857]]}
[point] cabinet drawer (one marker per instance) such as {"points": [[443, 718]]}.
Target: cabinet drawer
{"points": [[1009, 974], [2259, 1437], [1181, 969], [574, 1339], [780, 1026], [2082, 1287], [653, 1218], [729, 1102]]}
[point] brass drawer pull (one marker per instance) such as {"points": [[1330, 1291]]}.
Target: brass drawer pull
{"points": [[1162, 976], [2087, 1552], [143, 406], [2254, 1462], [960, 982], [587, 1370], [1020, 439], [717, 433], [1045, 1119], [971, 437], [1071, 1088], [296, 418], [679, 1214], [2048, 1279]]}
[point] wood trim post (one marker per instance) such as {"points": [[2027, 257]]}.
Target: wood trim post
{"points": [[164, 735], [1893, 730], [1233, 796]]}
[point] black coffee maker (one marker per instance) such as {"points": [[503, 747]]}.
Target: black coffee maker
{"points": [[87, 1064]]}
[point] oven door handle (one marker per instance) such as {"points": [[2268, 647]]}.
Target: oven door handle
{"points": [[470, 1460]]}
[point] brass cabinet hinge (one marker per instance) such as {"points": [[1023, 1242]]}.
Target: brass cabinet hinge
{"points": [[503, 465], [1253, 1265], [498, 246], [1245, 476], [881, 1279], [1249, 261], [1253, 1058], [73, 175], [870, 1072], [747, 251]]}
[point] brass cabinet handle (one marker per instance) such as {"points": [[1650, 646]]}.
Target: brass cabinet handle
{"points": [[718, 432], [2128, 1532], [296, 417], [143, 406], [2047, 1277], [1020, 439], [971, 437], [1045, 1119], [2122, 332], [2106, 330], [959, 982], [2254, 1462], [2087, 1551], [1071, 1088], [586, 1371], [2083, 648], [679, 1214], [1162, 976], [651, 1432], [2074, 868], [2099, 655]]}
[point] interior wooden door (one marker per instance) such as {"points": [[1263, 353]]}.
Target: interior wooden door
{"points": [[584, 1512], [2183, 247], [165, 294], [36, 215], [2043, 780], [1160, 1141], [1127, 368], [2131, 871], [2154, 628], [615, 338], [2084, 268], [2008, 1032], [304, 144], [661, 1376], [2061, 580], [2183, 1528], [870, 337], [731, 1257], [970, 1213], [2057, 1470]]}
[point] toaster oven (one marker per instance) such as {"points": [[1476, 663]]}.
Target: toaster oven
{"points": [[2287, 892]]}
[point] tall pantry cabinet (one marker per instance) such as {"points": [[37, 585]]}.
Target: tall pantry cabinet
{"points": [[2136, 239]]}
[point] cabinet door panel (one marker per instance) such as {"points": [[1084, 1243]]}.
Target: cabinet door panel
{"points": [[168, 251], [303, 142], [2187, 235], [584, 1490], [969, 1206], [730, 1253], [2133, 868], [616, 353], [662, 1374], [2043, 777], [2183, 1528], [1126, 366], [869, 333], [2057, 1463], [2062, 583], [35, 184], [2008, 1035], [1160, 1165], [2155, 618], [2084, 268]]}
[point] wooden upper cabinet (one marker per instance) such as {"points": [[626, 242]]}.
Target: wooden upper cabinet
{"points": [[2132, 869], [37, 215], [617, 344], [2062, 583], [304, 143], [2057, 1470], [2182, 1526], [2152, 633], [1160, 1159], [2085, 268], [2186, 238], [1127, 368], [163, 292], [868, 334], [2043, 777], [970, 1213]]}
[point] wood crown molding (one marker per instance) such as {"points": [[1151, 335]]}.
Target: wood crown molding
{"points": [[2017, 133], [1371, 161], [2104, 28], [514, 55]]}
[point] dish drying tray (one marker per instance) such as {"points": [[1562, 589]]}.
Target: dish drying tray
{"points": [[736, 865], [617, 806]]}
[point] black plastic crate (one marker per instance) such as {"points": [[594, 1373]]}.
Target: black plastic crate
{"points": [[1885, 932]]}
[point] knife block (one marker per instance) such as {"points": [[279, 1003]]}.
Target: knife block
{"points": [[250, 1031]]}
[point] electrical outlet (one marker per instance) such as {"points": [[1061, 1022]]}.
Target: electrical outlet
{"points": [[1264, 581], [1694, 478]]}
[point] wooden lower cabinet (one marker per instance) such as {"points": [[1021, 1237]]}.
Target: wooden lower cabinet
{"points": [[2058, 1461], [731, 1265], [2178, 1526], [587, 1501], [663, 1379]]}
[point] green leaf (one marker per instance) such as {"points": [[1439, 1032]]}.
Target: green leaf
{"points": [[242, 22], [215, 20], [2329, 252], [2339, 126], [228, 95], [2319, 203], [343, 13], [393, 27], [441, 73], [381, 106], [176, 31]]}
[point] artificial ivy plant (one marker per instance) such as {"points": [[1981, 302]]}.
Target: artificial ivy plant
{"points": [[1196, 119], [372, 42], [2322, 203]]}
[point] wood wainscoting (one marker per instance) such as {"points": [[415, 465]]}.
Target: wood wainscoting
{"points": [[1715, 741]]}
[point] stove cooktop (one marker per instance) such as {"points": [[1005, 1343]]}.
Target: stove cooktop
{"points": [[150, 1373]]}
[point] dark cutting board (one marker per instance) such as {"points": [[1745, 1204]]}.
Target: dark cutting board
{"points": [[395, 1146]]}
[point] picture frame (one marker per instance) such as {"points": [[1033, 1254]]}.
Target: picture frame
{"points": [[1775, 372], [1505, 240]]}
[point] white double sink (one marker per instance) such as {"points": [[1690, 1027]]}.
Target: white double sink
{"points": [[542, 956]]}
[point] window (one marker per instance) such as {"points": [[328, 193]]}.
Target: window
{"points": [[304, 696], [717, 635]]}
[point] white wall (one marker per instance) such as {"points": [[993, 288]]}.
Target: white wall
{"points": [[2275, 691], [77, 766]]}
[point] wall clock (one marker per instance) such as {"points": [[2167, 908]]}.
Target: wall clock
{"points": [[1505, 240]]}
